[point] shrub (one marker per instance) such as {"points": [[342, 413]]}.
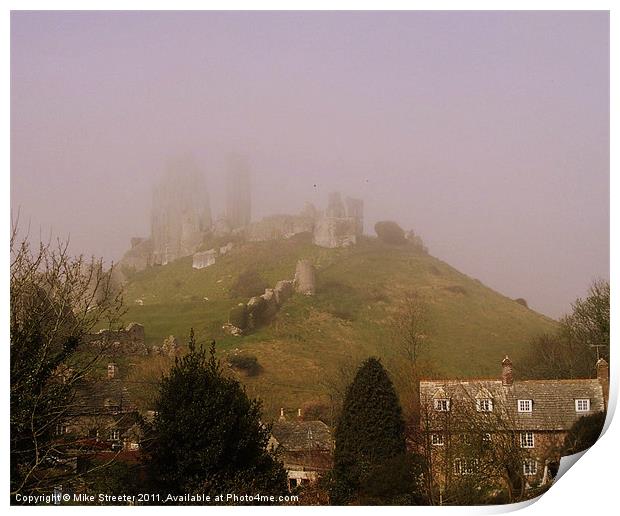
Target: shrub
{"points": [[390, 232], [521, 301], [248, 284], [246, 363], [238, 316]]}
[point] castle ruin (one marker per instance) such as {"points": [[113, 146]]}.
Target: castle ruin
{"points": [[182, 225], [180, 214]]}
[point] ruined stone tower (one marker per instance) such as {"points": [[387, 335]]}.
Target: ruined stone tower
{"points": [[180, 211], [339, 228], [335, 208], [238, 196], [305, 278]]}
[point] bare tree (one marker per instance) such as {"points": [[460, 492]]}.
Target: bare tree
{"points": [[472, 449], [409, 326], [56, 300]]}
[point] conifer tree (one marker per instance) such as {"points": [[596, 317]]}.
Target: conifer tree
{"points": [[207, 436], [370, 443]]}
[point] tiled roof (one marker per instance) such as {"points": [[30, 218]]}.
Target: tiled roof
{"points": [[108, 396], [553, 401], [296, 436]]}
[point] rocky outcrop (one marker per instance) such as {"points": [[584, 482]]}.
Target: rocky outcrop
{"points": [[283, 290], [305, 278], [139, 257], [259, 310]]}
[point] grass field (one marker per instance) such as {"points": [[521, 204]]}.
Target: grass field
{"points": [[313, 339]]}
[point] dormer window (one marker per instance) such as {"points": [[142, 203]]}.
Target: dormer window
{"points": [[442, 405], [484, 405], [582, 405], [524, 405]]}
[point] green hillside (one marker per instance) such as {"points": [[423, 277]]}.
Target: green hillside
{"points": [[303, 350]]}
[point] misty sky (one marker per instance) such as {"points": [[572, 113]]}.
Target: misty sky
{"points": [[485, 132]]}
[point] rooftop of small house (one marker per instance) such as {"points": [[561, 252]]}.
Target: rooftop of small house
{"points": [[104, 396], [299, 435]]}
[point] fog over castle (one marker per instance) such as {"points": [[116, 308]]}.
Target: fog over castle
{"points": [[487, 133]]}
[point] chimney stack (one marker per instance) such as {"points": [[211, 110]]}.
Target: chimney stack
{"points": [[602, 375], [112, 370], [282, 418], [299, 413], [506, 371]]}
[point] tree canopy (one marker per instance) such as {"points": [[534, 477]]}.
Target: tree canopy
{"points": [[390, 232], [207, 435], [583, 336], [55, 301], [370, 443], [584, 433]]}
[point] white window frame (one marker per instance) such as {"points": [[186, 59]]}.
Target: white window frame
{"points": [[580, 403], [484, 405], [524, 405], [530, 467], [115, 435], [437, 439], [441, 404], [464, 466], [527, 439]]}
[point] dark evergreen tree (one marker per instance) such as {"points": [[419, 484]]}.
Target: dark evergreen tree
{"points": [[584, 433], [207, 436], [370, 443]]}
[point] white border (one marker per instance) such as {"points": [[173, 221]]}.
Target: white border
{"points": [[589, 488]]}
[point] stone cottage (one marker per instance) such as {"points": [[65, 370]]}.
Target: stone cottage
{"points": [[463, 422]]}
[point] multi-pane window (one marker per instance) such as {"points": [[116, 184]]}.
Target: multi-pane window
{"points": [[524, 405], [530, 467], [442, 405], [527, 439], [582, 405], [484, 405], [465, 466], [437, 439], [61, 429], [115, 435]]}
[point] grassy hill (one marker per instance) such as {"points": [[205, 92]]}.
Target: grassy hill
{"points": [[316, 341]]}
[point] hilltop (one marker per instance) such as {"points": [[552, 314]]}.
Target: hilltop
{"points": [[312, 338]]}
